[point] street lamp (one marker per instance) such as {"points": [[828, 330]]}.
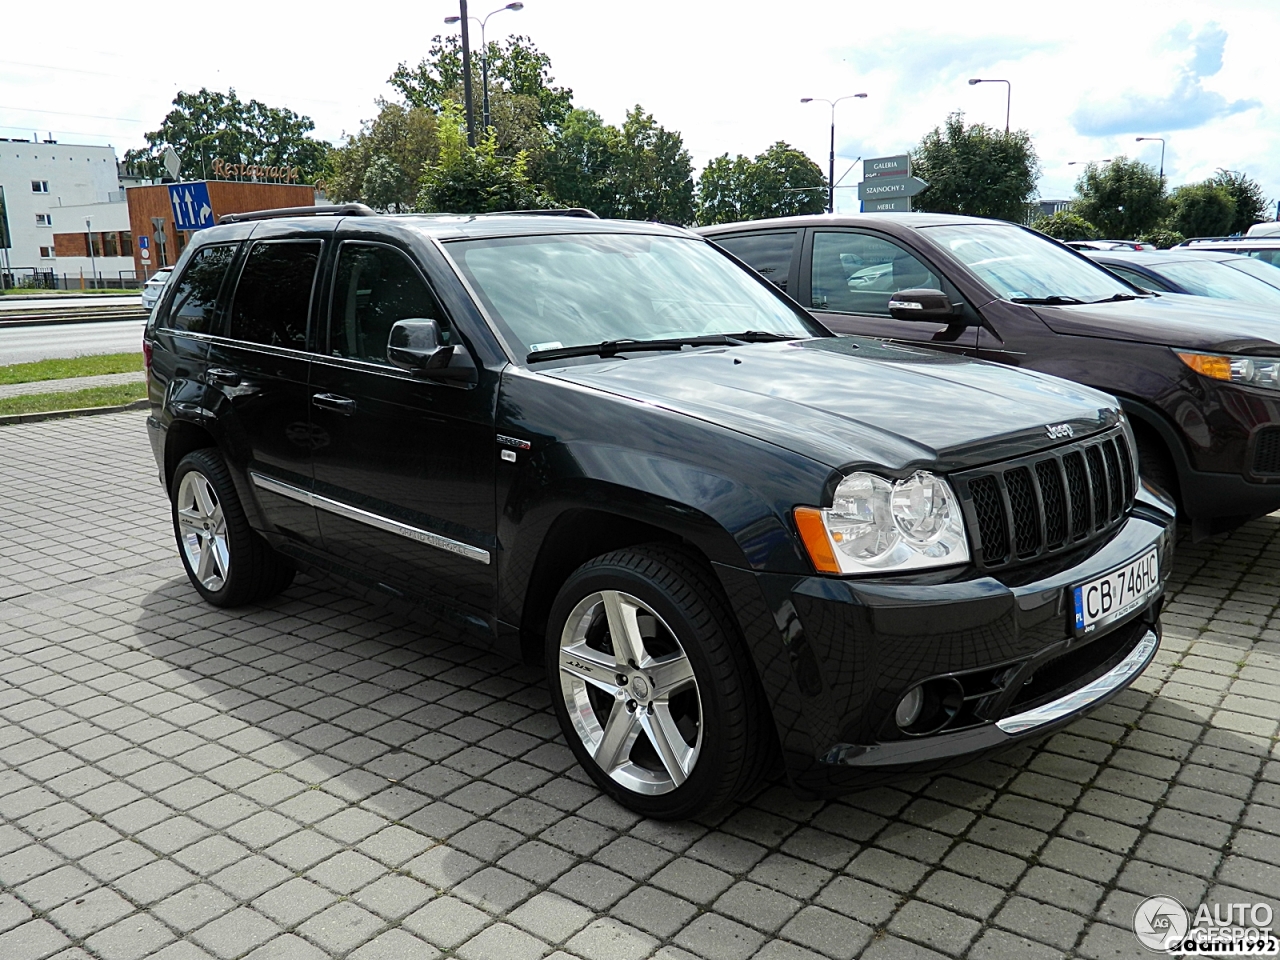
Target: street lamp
{"points": [[1008, 98], [484, 52], [1161, 139], [831, 166], [93, 261]]}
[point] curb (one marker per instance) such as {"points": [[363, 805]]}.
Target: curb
{"points": [[65, 414], [42, 321]]}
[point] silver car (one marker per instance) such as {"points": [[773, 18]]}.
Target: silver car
{"points": [[154, 286]]}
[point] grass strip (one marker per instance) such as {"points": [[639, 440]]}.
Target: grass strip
{"points": [[63, 368], [74, 399]]}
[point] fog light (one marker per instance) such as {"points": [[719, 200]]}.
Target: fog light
{"points": [[909, 706]]}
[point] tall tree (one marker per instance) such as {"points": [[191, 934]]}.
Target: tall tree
{"points": [[381, 165], [975, 170], [475, 179], [1202, 210], [578, 170], [209, 125], [1251, 203], [653, 172], [1122, 199], [515, 66], [780, 182]]}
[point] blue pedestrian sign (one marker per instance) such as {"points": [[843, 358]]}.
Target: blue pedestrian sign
{"points": [[191, 207]]}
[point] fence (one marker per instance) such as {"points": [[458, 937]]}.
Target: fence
{"points": [[34, 278]]}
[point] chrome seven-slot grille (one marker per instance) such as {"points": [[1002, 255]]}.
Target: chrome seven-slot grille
{"points": [[1049, 502]]}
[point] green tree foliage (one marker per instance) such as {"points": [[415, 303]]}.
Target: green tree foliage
{"points": [[475, 179], [1162, 237], [639, 172], [975, 170], [381, 165], [1202, 210], [1122, 199], [1251, 203], [516, 67], [780, 182], [210, 125], [1065, 225]]}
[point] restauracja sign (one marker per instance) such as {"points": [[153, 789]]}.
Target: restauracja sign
{"points": [[255, 171]]}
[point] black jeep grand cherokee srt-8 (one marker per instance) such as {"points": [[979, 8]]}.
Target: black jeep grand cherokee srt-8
{"points": [[606, 447]]}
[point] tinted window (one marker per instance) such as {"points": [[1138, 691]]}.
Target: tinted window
{"points": [[857, 273], [768, 253], [195, 298], [273, 297], [1137, 279], [375, 286]]}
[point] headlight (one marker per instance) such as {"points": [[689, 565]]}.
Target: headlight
{"points": [[876, 526], [1252, 371]]}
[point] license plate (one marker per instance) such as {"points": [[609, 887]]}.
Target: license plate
{"points": [[1113, 595]]}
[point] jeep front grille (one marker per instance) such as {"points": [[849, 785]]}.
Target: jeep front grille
{"points": [[1048, 502]]}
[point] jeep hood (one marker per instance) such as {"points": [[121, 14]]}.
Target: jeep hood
{"points": [[849, 401], [1173, 320]]}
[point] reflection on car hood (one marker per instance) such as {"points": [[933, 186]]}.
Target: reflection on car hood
{"points": [[848, 400], [1173, 320]]}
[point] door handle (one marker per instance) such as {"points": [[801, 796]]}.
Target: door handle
{"points": [[331, 401], [227, 378]]}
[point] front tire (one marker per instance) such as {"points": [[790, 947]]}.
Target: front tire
{"points": [[227, 562], [653, 690]]}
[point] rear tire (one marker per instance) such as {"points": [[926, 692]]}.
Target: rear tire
{"points": [[227, 562], [670, 721]]}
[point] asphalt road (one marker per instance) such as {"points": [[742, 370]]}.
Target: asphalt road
{"points": [[26, 344]]}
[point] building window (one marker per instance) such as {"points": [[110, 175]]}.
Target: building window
{"points": [[46, 253], [44, 220], [39, 186]]}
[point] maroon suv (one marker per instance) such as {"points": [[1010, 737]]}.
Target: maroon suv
{"points": [[1199, 379]]}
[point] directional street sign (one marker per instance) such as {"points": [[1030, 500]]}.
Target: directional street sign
{"points": [[899, 166], [879, 189], [898, 205], [191, 207]]}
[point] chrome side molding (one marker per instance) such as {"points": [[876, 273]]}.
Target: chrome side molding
{"points": [[371, 519]]}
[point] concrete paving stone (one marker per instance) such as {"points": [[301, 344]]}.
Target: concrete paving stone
{"points": [[442, 866], [773, 950], [446, 922], [1041, 922], [962, 894], [396, 945], [209, 855], [788, 875], [1104, 942], [293, 901], [341, 927], [692, 881], [578, 836], [56, 887], [934, 927], [1099, 832], [915, 842], [193, 907], [1178, 854], [1252, 875], [1081, 860], [760, 907], [493, 889], [827, 933], [90, 912], [31, 941], [1002, 945], [887, 869], [538, 862], [551, 917], [654, 911], [249, 877], [502, 942], [727, 852], [235, 933], [820, 847], [597, 887], [611, 939], [287, 946], [346, 872], [1192, 827], [134, 938]]}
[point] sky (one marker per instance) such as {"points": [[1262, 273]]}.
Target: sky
{"points": [[1085, 80]]}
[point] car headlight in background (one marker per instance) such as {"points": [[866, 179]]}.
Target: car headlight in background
{"points": [[1251, 371], [879, 526]]}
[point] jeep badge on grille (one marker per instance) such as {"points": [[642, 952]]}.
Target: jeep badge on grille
{"points": [[1059, 431]]}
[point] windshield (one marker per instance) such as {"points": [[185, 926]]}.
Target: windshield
{"points": [[1021, 265], [1207, 278], [1256, 268], [572, 289]]}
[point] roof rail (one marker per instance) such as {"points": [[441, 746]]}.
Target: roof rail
{"points": [[556, 212], [334, 210], [1235, 237]]}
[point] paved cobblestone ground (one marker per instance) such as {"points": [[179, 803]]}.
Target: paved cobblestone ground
{"points": [[316, 778]]}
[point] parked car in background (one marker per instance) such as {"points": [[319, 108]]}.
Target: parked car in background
{"points": [[1199, 378], [1263, 248], [606, 447], [1197, 273], [1268, 228], [1110, 245], [154, 287]]}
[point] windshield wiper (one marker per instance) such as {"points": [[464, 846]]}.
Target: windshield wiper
{"points": [[1056, 299], [1119, 297], [611, 348], [761, 336]]}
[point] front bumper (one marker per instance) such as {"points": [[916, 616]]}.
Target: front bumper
{"points": [[835, 656]]}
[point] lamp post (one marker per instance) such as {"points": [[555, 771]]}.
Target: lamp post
{"points": [[1008, 98], [93, 261], [1161, 139], [484, 52], [831, 165]]}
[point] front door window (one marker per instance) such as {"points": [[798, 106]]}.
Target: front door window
{"points": [[859, 273]]}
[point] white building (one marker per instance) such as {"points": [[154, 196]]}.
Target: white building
{"points": [[50, 188]]}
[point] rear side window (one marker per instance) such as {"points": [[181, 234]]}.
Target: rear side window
{"points": [[374, 287], [273, 297], [768, 253], [195, 296]]}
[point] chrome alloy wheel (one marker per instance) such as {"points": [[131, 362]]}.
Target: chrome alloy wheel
{"points": [[630, 692], [203, 530]]}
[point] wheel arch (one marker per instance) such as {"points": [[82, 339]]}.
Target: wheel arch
{"points": [[181, 438]]}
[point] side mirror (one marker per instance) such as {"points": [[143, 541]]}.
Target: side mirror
{"points": [[414, 345], [933, 306]]}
